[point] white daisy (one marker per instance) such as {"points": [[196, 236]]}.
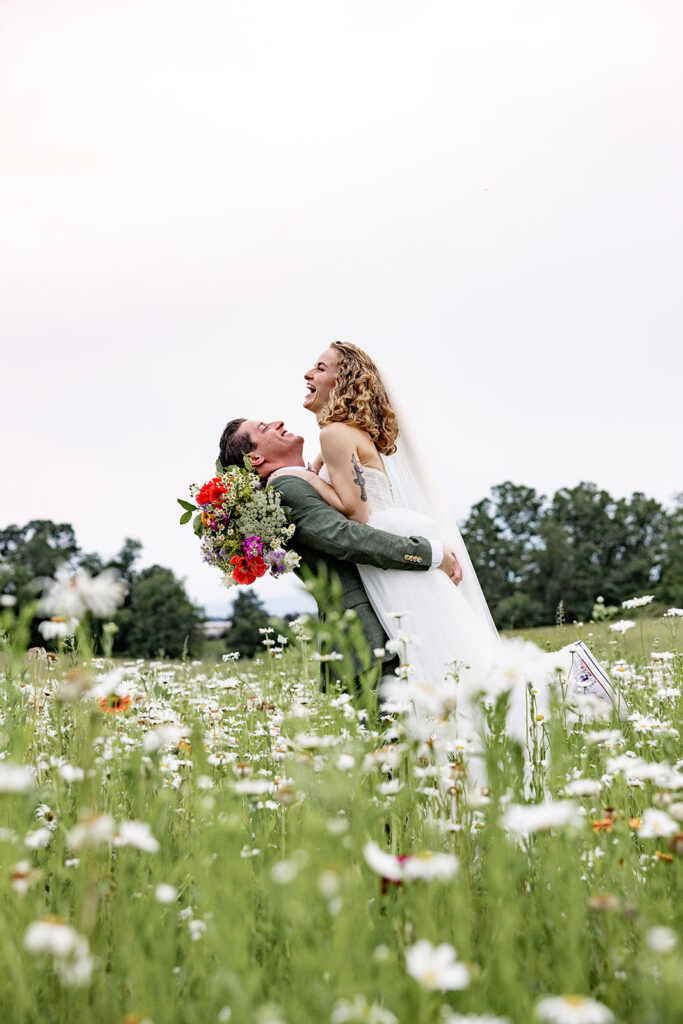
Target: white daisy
{"points": [[573, 1009], [436, 967]]}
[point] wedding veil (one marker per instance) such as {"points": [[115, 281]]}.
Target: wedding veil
{"points": [[414, 486]]}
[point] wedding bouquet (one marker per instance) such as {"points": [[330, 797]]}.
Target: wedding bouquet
{"points": [[242, 526]]}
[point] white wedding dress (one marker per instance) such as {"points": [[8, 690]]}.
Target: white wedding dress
{"points": [[432, 609], [437, 625]]}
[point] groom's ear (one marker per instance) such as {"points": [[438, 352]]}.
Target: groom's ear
{"points": [[256, 460]]}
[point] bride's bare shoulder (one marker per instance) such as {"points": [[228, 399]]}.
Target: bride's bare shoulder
{"points": [[344, 434], [343, 441]]}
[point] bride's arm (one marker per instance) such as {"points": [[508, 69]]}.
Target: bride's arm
{"points": [[323, 489], [317, 463], [347, 493], [338, 442]]}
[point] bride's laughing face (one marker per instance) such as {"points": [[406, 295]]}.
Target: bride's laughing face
{"points": [[320, 381]]}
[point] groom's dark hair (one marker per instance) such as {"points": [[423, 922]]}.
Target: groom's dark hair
{"points": [[234, 444]]}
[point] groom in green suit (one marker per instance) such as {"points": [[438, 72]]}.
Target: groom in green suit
{"points": [[330, 545]]}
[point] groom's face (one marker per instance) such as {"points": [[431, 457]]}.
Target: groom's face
{"points": [[320, 380], [273, 445]]}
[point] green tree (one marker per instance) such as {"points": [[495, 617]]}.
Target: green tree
{"points": [[670, 587], [159, 618], [642, 525], [125, 560], [594, 544], [531, 555], [30, 555], [519, 610], [248, 616], [503, 539]]}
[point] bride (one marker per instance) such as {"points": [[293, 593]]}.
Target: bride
{"points": [[366, 470]]}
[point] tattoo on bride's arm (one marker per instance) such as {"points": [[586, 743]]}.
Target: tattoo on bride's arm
{"points": [[358, 477]]}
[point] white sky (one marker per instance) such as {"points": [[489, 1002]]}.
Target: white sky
{"points": [[197, 196]]}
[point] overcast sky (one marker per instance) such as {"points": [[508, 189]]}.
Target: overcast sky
{"points": [[197, 196]]}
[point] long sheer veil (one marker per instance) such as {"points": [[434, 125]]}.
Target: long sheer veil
{"points": [[414, 486]]}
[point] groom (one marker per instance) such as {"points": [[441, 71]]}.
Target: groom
{"points": [[328, 542]]}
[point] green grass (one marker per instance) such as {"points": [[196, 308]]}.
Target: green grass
{"points": [[656, 635], [278, 916]]}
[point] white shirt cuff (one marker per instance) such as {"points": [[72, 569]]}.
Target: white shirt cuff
{"points": [[437, 553]]}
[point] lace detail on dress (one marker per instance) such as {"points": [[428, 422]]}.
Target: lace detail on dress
{"points": [[377, 487]]}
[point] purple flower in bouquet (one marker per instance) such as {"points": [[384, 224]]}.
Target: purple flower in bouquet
{"points": [[210, 549], [276, 562], [252, 547]]}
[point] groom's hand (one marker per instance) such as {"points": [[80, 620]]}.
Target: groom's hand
{"points": [[451, 566]]}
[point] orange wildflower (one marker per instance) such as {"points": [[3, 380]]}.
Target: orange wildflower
{"points": [[603, 901], [676, 843], [114, 703]]}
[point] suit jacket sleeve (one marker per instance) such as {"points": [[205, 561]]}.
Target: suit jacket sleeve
{"points": [[323, 528]]}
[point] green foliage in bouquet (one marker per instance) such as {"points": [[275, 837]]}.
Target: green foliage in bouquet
{"points": [[244, 529]]}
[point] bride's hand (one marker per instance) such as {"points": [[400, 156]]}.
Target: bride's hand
{"points": [[451, 566]]}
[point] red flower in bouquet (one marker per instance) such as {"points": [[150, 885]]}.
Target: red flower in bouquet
{"points": [[258, 566], [247, 570], [212, 492]]}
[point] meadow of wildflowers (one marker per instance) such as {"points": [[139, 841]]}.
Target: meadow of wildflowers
{"points": [[195, 842]]}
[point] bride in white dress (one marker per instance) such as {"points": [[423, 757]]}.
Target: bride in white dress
{"points": [[361, 473]]}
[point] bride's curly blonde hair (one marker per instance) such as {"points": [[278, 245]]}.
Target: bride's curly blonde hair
{"points": [[359, 397]]}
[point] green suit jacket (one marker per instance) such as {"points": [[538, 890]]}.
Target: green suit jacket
{"points": [[328, 541]]}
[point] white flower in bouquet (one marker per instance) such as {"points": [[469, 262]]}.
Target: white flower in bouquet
{"points": [[292, 561]]}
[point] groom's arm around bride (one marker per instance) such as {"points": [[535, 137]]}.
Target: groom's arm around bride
{"points": [[330, 543]]}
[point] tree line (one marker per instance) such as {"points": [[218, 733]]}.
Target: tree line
{"points": [[537, 556], [533, 554], [157, 616]]}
